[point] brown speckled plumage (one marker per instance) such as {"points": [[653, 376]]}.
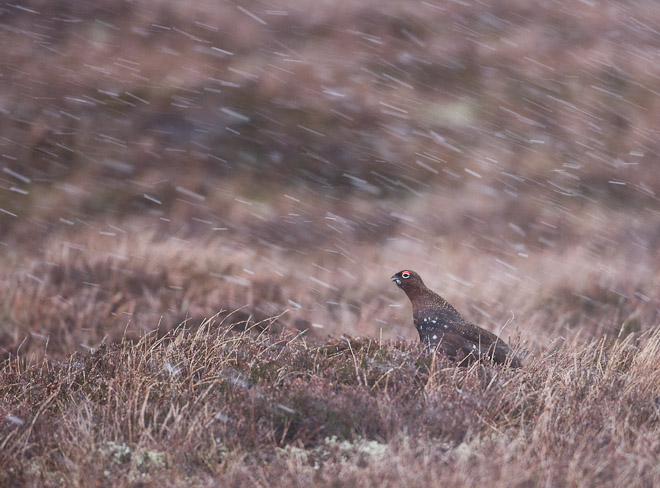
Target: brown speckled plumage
{"points": [[441, 326]]}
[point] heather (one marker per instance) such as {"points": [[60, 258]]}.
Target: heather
{"points": [[201, 205]]}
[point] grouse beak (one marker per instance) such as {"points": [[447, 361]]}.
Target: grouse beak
{"points": [[396, 280]]}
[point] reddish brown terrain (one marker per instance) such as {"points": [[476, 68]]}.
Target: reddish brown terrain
{"points": [[202, 203]]}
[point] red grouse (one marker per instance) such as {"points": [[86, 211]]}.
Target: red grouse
{"points": [[440, 326]]}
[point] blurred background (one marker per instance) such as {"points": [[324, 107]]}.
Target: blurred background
{"points": [[163, 161]]}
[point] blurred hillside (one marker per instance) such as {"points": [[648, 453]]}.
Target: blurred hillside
{"points": [[164, 160]]}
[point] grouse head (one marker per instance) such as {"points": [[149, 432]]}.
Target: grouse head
{"points": [[408, 280]]}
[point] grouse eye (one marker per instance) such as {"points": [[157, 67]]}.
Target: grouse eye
{"points": [[405, 274]]}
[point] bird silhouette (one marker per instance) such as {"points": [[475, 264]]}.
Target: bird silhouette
{"points": [[441, 327]]}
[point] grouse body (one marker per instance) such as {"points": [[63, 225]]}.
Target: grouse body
{"points": [[441, 327]]}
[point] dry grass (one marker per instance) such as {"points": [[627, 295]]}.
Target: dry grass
{"points": [[145, 403], [246, 409], [164, 162], [97, 289]]}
